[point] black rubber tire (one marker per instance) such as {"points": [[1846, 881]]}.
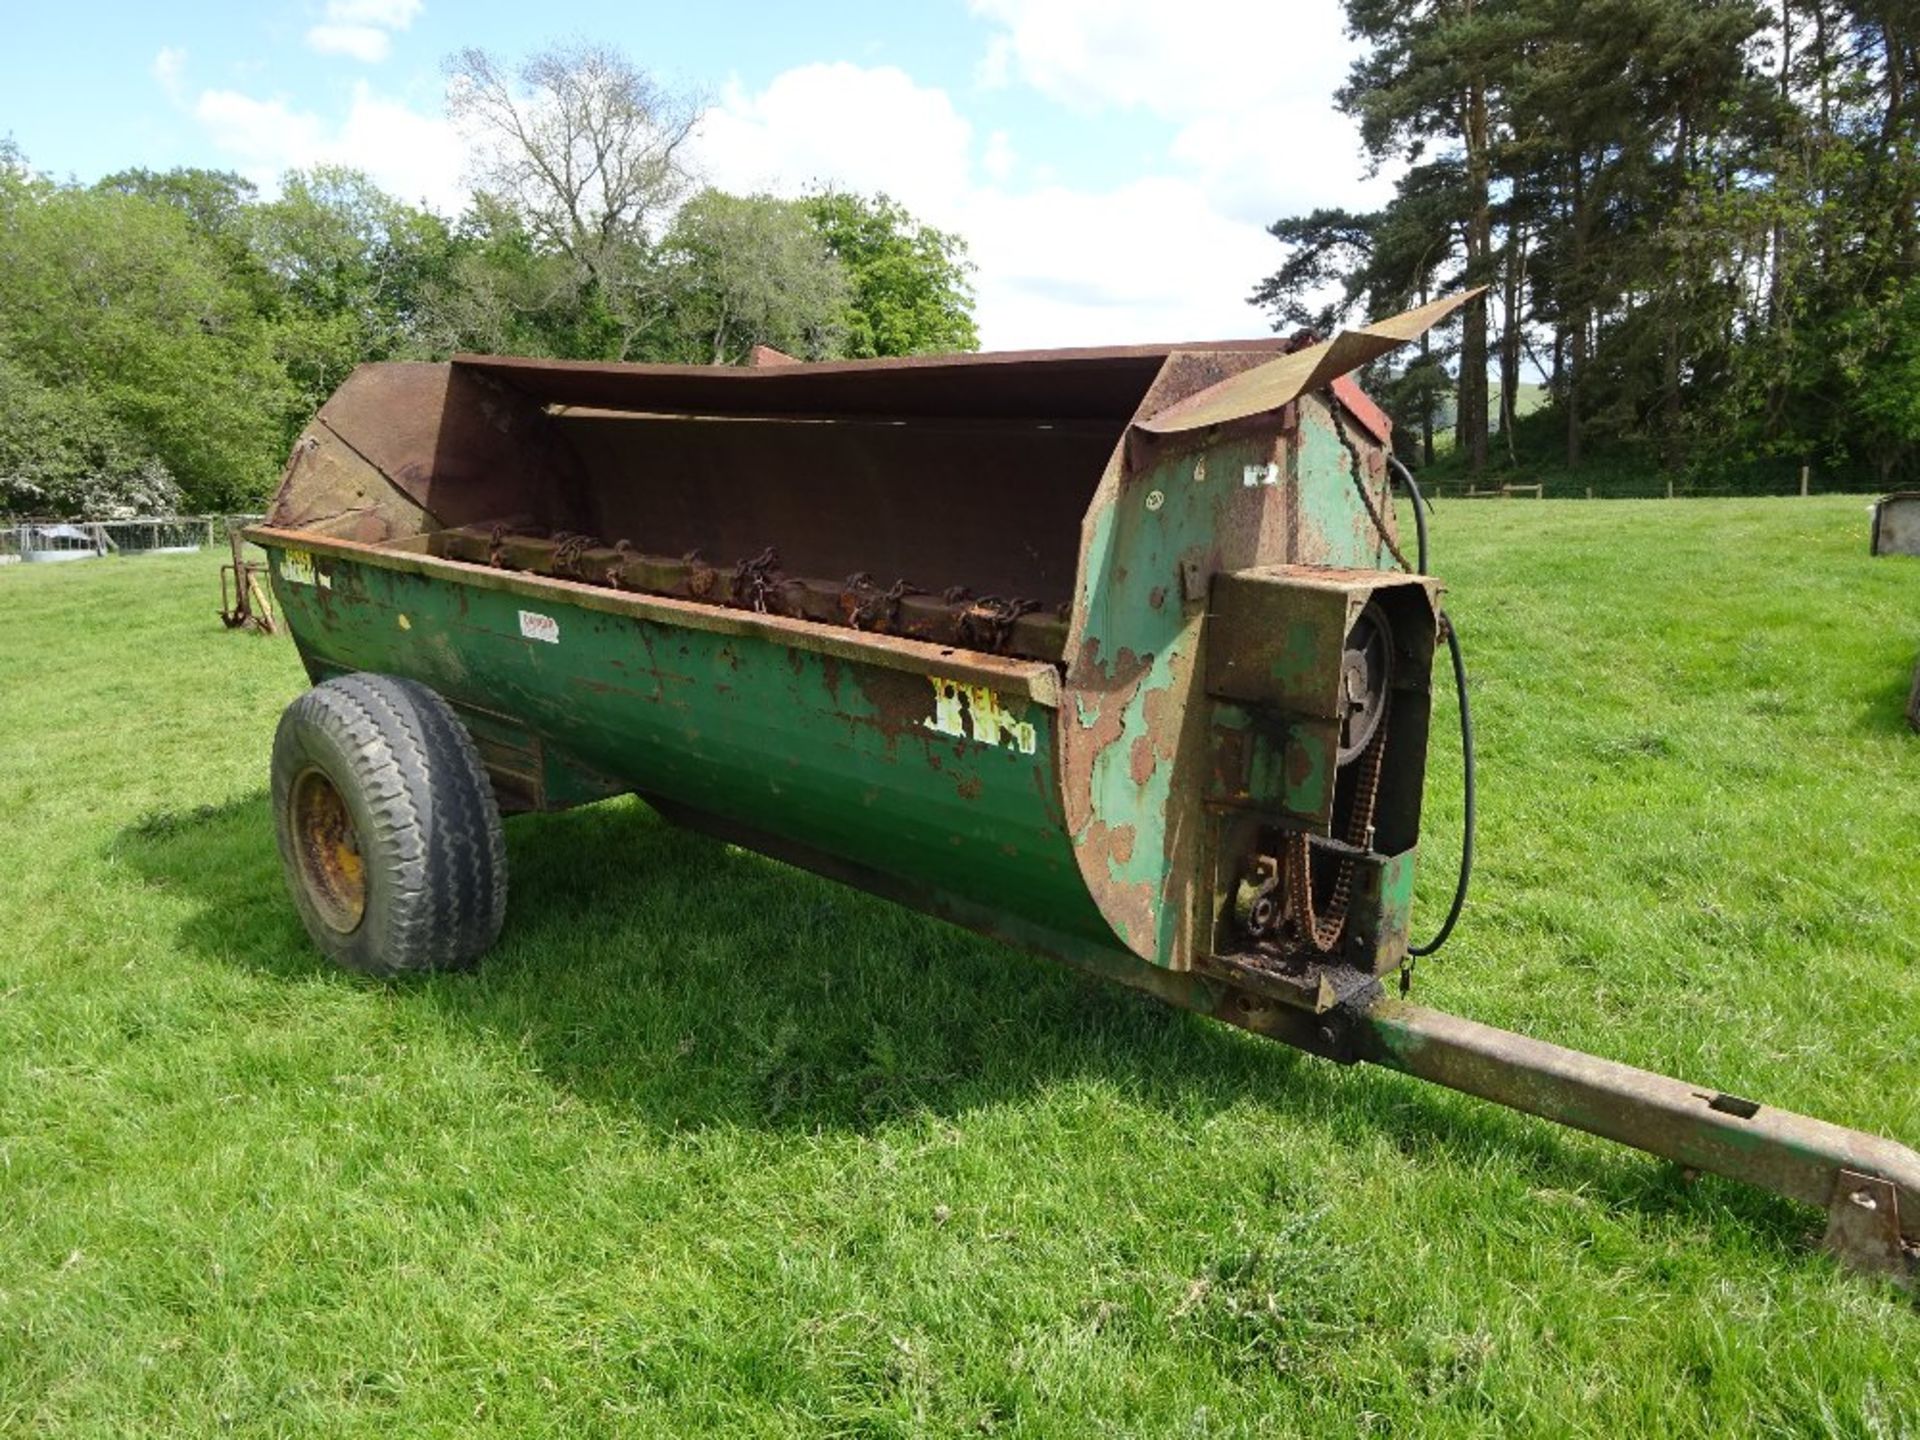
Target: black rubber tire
{"points": [[432, 878]]}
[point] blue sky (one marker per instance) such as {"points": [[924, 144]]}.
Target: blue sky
{"points": [[1110, 162]]}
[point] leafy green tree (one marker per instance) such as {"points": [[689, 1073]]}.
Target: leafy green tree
{"points": [[64, 453], [1433, 77], [751, 270], [1701, 221], [908, 288], [350, 265], [502, 294], [586, 152], [1326, 249], [119, 297]]}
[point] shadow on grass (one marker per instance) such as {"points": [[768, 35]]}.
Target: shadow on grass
{"points": [[684, 983], [1886, 709]]}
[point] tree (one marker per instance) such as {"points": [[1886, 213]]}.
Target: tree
{"points": [[908, 287], [351, 266], [1328, 248], [1699, 221], [117, 297], [218, 202], [64, 453], [586, 150], [1431, 77], [503, 295], [751, 270]]}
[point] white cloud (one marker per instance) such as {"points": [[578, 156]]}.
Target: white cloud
{"points": [[170, 69], [999, 159], [865, 129], [360, 42], [393, 14], [416, 157], [1175, 60], [258, 132], [361, 29], [1262, 138], [1154, 259], [1149, 260]]}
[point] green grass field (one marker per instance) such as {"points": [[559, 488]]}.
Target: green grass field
{"points": [[711, 1146]]}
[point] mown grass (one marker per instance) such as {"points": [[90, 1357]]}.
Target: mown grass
{"points": [[713, 1146]]}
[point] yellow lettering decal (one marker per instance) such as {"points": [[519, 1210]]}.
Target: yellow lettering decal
{"points": [[955, 703], [947, 715]]}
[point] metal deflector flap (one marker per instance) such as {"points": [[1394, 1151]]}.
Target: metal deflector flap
{"points": [[1279, 382]]}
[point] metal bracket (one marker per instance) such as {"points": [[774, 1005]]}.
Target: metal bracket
{"points": [[1314, 988], [1863, 1229]]}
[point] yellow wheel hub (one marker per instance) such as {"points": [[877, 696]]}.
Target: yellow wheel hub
{"points": [[331, 866]]}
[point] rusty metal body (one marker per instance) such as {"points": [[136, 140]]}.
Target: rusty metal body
{"points": [[1111, 654]]}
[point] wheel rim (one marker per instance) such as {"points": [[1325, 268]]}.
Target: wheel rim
{"points": [[1366, 672], [328, 847]]}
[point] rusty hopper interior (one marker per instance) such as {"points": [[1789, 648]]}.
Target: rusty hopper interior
{"points": [[1114, 654]]}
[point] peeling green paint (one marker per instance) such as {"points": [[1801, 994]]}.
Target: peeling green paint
{"points": [[1335, 527], [1136, 606]]}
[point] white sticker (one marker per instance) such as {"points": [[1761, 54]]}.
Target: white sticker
{"points": [[536, 626], [1256, 475], [296, 567], [955, 703]]}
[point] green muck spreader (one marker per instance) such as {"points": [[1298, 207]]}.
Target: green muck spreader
{"points": [[1116, 655]]}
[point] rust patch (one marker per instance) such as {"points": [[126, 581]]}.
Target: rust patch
{"points": [[1166, 706], [1112, 845], [1299, 765], [1103, 716], [1129, 908], [1140, 758]]}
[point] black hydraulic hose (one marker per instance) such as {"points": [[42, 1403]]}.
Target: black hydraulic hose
{"points": [[1419, 505], [1469, 806], [1469, 794]]}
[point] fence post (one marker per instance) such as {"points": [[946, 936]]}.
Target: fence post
{"points": [[1669, 489], [1805, 473]]}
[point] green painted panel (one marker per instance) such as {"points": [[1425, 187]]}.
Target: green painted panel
{"points": [[881, 767], [1335, 526]]}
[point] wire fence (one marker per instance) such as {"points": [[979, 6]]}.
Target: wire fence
{"points": [[1605, 481], [54, 541]]}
